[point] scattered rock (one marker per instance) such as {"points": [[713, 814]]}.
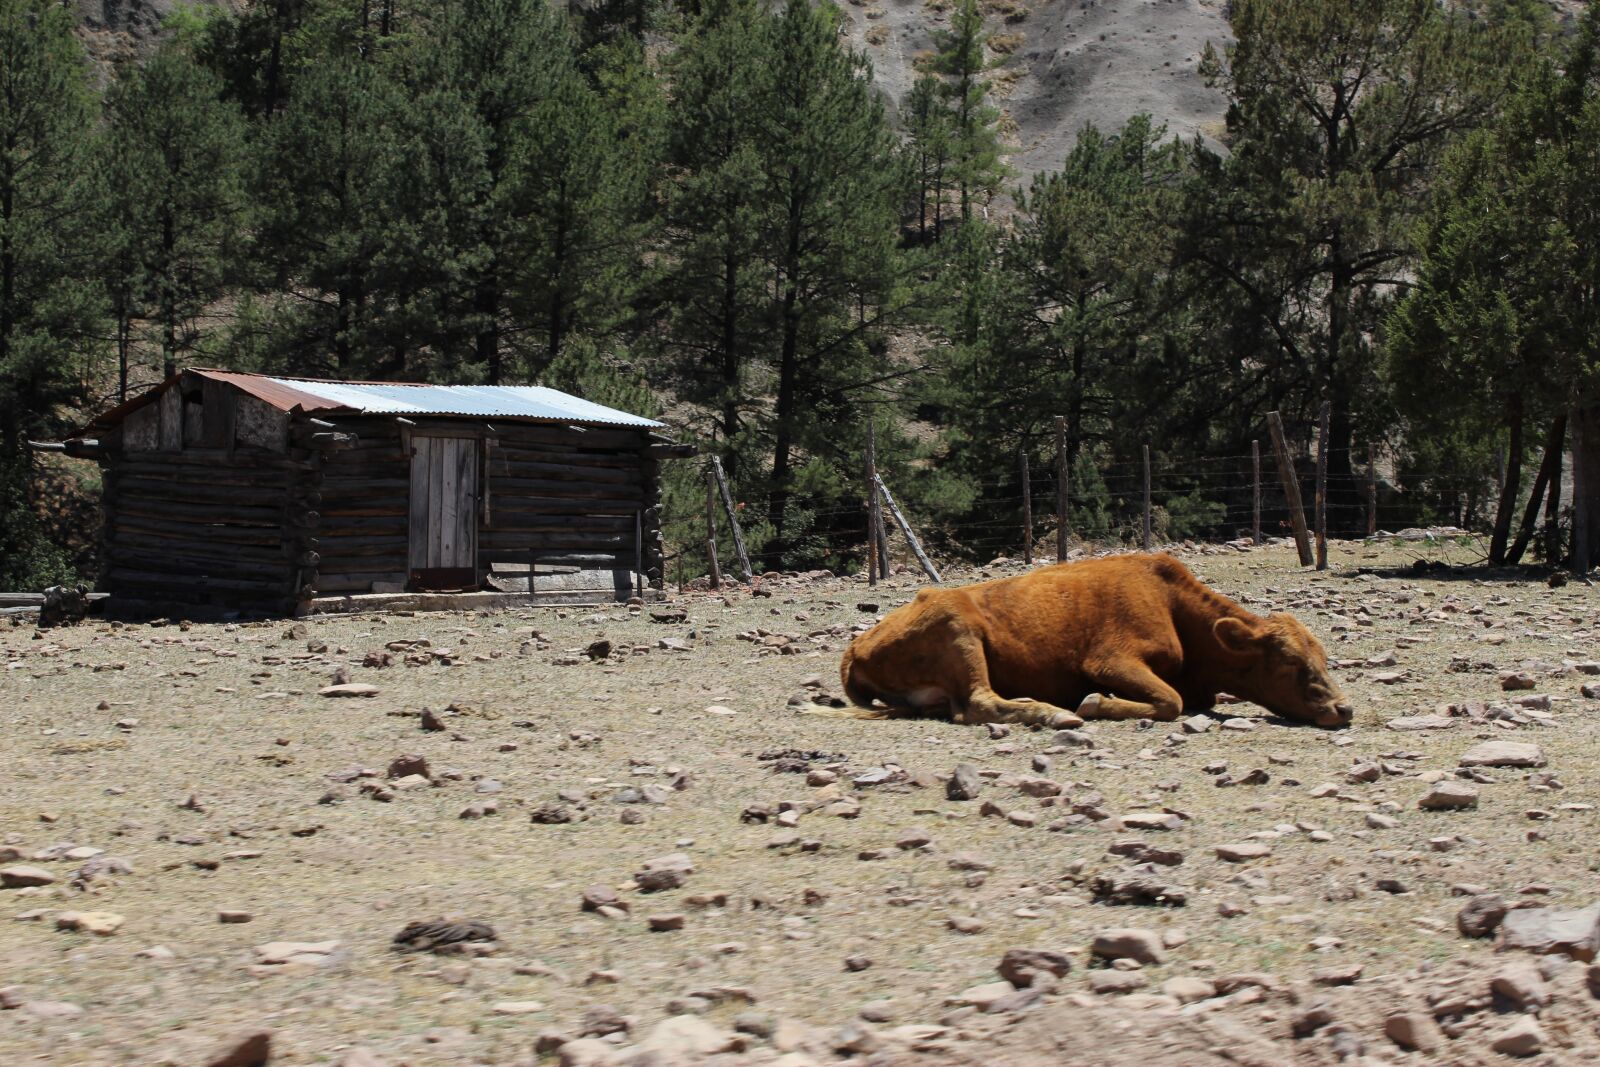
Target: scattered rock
{"points": [[1413, 1031], [103, 923], [1129, 943], [1244, 852], [664, 872], [1525, 1037], [1504, 754], [1522, 985], [1547, 931], [349, 689], [964, 783], [1020, 966], [442, 936], [1481, 915], [21, 876], [1449, 796], [252, 1049]]}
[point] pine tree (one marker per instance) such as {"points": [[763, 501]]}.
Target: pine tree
{"points": [[928, 136], [174, 148], [327, 158], [48, 310], [975, 164], [713, 287], [828, 235], [1339, 114]]}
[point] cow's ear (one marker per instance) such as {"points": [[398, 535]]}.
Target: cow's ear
{"points": [[1236, 636]]}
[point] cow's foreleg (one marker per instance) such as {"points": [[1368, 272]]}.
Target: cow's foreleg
{"points": [[985, 705], [1137, 694]]}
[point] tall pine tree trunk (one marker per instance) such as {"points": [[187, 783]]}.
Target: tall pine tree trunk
{"points": [[486, 302], [1512, 486], [730, 358], [1585, 420], [558, 290], [788, 383], [1549, 471]]}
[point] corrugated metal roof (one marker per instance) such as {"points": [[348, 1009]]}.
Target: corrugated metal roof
{"points": [[313, 395], [484, 401]]}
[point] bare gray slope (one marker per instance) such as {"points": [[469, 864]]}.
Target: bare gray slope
{"points": [[1063, 64]]}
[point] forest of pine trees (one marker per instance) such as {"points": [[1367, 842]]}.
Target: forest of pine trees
{"points": [[708, 209]]}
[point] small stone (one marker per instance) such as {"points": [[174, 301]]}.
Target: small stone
{"points": [[1525, 1037], [1129, 943], [21, 876], [857, 963], [1517, 680], [1504, 754], [349, 689], [232, 916], [1449, 796], [103, 923], [1413, 1031], [1020, 966], [1345, 974], [1244, 852], [1115, 982], [516, 1007], [252, 1049], [1186, 989], [407, 766], [1481, 915], [964, 783], [666, 923], [1522, 985]]}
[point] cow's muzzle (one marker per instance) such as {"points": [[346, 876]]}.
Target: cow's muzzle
{"points": [[1336, 716]]}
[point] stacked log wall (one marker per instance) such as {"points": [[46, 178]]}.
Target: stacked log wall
{"points": [[203, 527], [559, 495], [363, 531]]}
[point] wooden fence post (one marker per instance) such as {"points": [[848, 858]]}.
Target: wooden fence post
{"points": [[911, 535], [711, 528], [1063, 514], [873, 544], [1144, 541], [1027, 510], [1372, 494], [1255, 474], [733, 520], [1291, 488], [1322, 487]]}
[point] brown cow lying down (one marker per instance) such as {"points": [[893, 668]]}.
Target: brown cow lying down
{"points": [[1128, 637]]}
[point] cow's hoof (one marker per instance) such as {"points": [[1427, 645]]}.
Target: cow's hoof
{"points": [[1089, 706], [1065, 720]]}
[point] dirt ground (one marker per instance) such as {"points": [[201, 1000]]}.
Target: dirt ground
{"points": [[839, 904]]}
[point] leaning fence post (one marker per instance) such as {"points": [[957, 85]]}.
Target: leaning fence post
{"points": [[1322, 488], [911, 535], [1255, 473], [1291, 488], [1063, 516], [733, 520], [1145, 539], [711, 528], [1027, 510], [1372, 494], [872, 504]]}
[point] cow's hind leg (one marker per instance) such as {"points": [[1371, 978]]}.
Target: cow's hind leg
{"points": [[1139, 694], [985, 705]]}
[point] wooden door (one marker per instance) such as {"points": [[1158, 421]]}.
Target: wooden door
{"points": [[444, 510]]}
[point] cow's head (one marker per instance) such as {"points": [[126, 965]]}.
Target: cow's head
{"points": [[1285, 669]]}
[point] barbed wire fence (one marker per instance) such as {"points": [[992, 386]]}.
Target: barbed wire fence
{"points": [[1257, 496]]}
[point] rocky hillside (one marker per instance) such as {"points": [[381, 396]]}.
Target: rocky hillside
{"points": [[1064, 63], [1061, 63]]}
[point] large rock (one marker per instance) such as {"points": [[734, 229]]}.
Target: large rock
{"points": [[1130, 943], [964, 783], [683, 1040], [1019, 966], [1482, 915], [1449, 796], [1413, 1031], [1525, 1037], [1551, 931], [1504, 754], [21, 876], [251, 1049]]}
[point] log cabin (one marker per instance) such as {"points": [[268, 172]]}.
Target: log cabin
{"points": [[248, 494]]}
